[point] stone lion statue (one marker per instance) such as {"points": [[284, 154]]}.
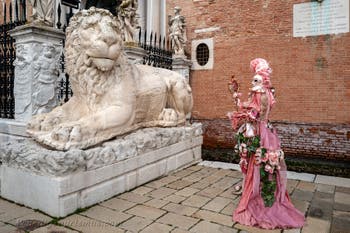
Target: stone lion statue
{"points": [[111, 96]]}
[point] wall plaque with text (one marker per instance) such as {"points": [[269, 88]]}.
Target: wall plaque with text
{"points": [[314, 18]]}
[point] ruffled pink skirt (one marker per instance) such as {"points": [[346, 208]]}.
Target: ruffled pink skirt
{"points": [[251, 210]]}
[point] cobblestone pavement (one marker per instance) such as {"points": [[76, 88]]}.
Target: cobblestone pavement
{"points": [[196, 199]]}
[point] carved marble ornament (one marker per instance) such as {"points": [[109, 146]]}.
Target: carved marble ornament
{"points": [[43, 11], [111, 96]]}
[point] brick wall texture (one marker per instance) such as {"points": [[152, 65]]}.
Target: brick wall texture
{"points": [[311, 74]]}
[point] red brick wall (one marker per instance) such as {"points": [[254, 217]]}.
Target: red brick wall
{"points": [[28, 6], [311, 75]]}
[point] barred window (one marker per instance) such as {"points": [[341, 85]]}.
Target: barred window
{"points": [[202, 54]]}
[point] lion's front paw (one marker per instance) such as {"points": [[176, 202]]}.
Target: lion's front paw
{"points": [[67, 133], [43, 122], [35, 123], [168, 114]]}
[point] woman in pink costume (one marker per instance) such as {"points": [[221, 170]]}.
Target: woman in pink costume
{"points": [[265, 202]]}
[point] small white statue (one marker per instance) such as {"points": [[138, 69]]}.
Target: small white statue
{"points": [[43, 11], [128, 18], [111, 96], [177, 32]]}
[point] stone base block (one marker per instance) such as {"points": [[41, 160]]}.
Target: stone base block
{"points": [[62, 195]]}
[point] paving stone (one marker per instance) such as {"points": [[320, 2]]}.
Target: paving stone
{"points": [[199, 185], [340, 222], [194, 177], [325, 188], [179, 221], [106, 215], [142, 190], [52, 229], [321, 209], [210, 192], [161, 192], [302, 195], [10, 211], [208, 227], [306, 186], [135, 224], [183, 173], [174, 198], [195, 168], [9, 229], [146, 212], [225, 183], [156, 203], [155, 184], [343, 189], [179, 184], [293, 182], [342, 198], [229, 194], [157, 227], [301, 205], [88, 225], [196, 201], [315, 225], [236, 174], [214, 217], [222, 172], [186, 192], [169, 179], [31, 221], [118, 204], [211, 179], [133, 197], [217, 204], [341, 201], [180, 209], [228, 210], [300, 176], [255, 229], [327, 197], [178, 230], [332, 180], [297, 230]]}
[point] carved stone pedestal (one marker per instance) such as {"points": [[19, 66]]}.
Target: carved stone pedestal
{"points": [[58, 183], [182, 66], [38, 51]]}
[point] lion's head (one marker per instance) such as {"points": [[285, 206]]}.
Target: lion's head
{"points": [[93, 49]]}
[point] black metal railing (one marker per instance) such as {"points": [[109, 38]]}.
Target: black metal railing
{"points": [[64, 88], [158, 50], [8, 56]]}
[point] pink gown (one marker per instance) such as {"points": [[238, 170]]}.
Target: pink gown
{"points": [[251, 210]]}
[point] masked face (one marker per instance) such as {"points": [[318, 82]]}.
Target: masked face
{"points": [[257, 82]]}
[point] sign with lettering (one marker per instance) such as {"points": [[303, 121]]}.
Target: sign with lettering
{"points": [[314, 18]]}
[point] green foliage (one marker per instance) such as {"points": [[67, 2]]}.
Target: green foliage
{"points": [[268, 187]]}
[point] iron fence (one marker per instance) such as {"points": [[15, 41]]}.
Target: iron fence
{"points": [[8, 56], [158, 50]]}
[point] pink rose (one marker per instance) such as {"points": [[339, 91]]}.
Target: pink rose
{"points": [[268, 169]]}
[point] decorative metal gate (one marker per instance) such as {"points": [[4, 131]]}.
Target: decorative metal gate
{"points": [[8, 55]]}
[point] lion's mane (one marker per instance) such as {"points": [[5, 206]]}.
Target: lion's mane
{"points": [[87, 80]]}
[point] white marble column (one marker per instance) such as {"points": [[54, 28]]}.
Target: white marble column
{"points": [[142, 11]]}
